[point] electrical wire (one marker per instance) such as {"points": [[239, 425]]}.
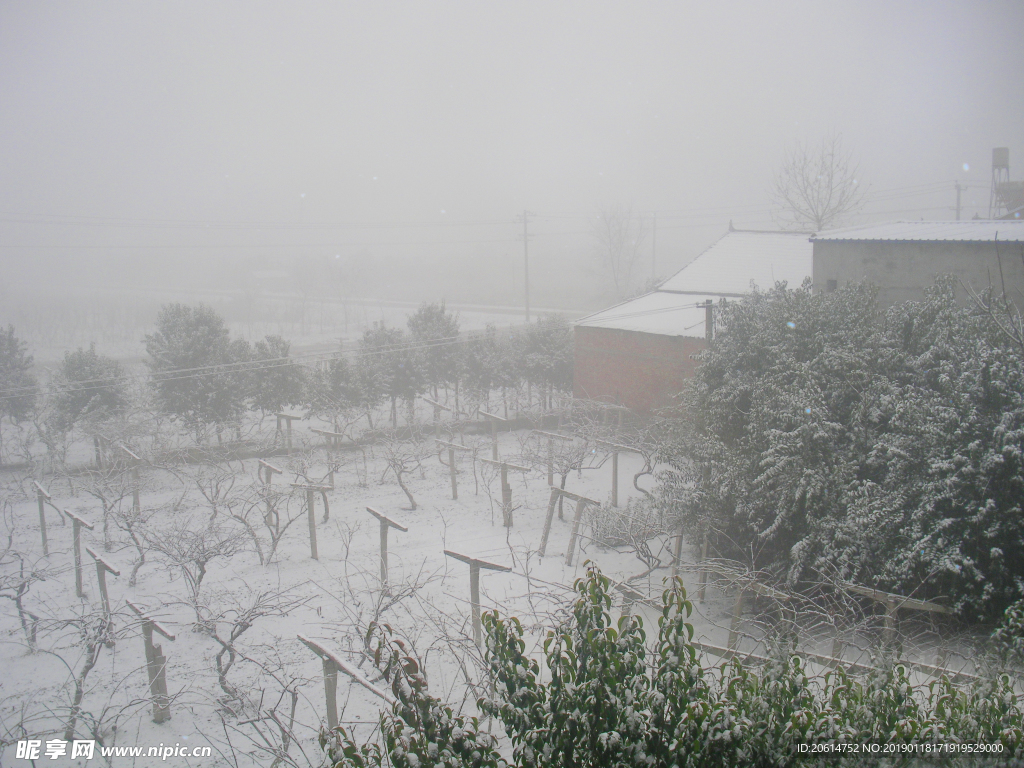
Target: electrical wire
{"points": [[221, 369]]}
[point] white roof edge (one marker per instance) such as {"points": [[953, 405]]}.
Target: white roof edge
{"points": [[970, 230], [579, 320]]}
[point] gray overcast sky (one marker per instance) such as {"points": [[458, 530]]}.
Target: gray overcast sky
{"points": [[466, 113]]}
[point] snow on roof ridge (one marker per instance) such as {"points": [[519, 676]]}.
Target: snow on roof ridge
{"points": [[967, 230]]}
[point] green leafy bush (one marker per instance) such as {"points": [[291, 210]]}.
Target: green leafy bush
{"points": [[604, 699], [419, 730]]}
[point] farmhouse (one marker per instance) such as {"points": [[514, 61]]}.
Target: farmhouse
{"points": [[903, 258], [638, 353]]}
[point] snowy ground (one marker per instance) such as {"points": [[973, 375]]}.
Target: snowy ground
{"points": [[340, 593]]}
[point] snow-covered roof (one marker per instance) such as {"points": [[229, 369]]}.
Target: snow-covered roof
{"points": [[981, 230], [741, 258], [660, 312], [728, 269]]}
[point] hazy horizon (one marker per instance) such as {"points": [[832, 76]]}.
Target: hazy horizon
{"points": [[188, 145]]}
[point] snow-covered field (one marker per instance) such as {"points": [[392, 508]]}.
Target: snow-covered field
{"points": [[331, 600]]}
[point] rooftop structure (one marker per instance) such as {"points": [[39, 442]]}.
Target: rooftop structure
{"points": [[974, 231], [639, 353], [730, 268]]}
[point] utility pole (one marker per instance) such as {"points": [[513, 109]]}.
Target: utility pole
{"points": [[654, 246], [526, 260], [958, 190]]}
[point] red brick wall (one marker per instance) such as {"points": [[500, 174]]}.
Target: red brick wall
{"points": [[641, 371]]}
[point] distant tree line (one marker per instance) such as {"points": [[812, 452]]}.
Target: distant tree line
{"points": [[205, 380], [828, 441]]}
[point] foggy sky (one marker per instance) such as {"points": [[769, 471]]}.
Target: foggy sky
{"points": [[425, 128]]}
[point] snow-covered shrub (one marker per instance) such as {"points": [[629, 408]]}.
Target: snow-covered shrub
{"points": [[1009, 635], [638, 521], [825, 436]]}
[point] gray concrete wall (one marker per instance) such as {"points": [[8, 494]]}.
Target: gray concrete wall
{"points": [[902, 270]]}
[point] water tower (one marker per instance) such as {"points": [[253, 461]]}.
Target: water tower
{"points": [[1005, 196]]}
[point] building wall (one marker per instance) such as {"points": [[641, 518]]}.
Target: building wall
{"points": [[641, 371], [902, 270]]}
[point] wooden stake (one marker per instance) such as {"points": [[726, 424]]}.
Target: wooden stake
{"points": [[575, 532], [615, 449], [506, 489], [333, 438], [310, 509], [438, 407], [677, 553], [156, 665], [385, 523], [737, 613], [474, 589], [288, 418], [453, 472], [99, 452], [77, 523], [703, 578], [552, 436], [331, 665], [134, 461], [102, 568], [494, 419], [42, 497], [615, 478], [452, 448], [311, 490], [898, 601], [547, 520], [136, 501], [580, 501], [629, 596], [267, 472]]}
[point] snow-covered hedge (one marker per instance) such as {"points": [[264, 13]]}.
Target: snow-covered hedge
{"points": [[828, 440]]}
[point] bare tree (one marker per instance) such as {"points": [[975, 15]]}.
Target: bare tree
{"points": [[215, 483], [619, 234], [227, 624], [402, 459], [17, 577], [191, 549], [110, 486], [816, 186], [133, 521]]}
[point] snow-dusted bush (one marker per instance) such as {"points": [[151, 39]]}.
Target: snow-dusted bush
{"points": [[638, 521], [610, 701], [606, 699], [825, 436], [1008, 639]]}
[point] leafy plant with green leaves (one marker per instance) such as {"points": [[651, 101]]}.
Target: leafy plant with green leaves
{"points": [[611, 702], [420, 730], [605, 699]]}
